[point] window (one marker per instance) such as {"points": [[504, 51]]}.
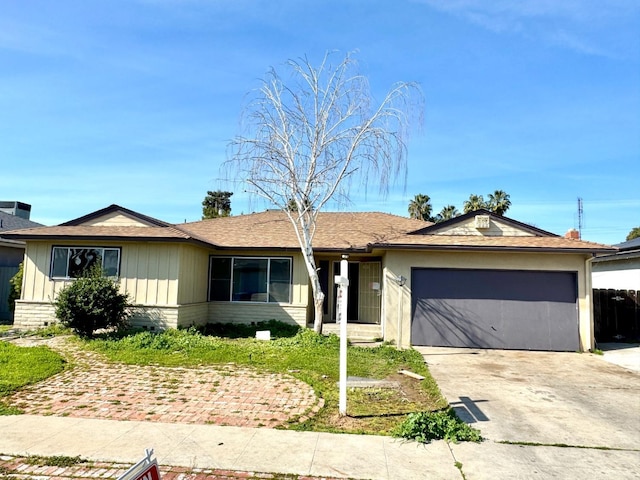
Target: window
{"points": [[249, 279], [72, 262]]}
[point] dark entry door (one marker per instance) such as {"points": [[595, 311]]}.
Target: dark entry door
{"points": [[510, 309]]}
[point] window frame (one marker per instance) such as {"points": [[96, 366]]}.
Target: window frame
{"points": [[230, 279], [52, 275]]}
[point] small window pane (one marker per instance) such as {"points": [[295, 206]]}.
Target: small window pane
{"points": [[280, 280], [82, 259], [110, 262], [59, 264], [250, 280], [220, 286]]}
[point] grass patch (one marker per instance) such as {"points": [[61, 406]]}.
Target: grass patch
{"points": [[307, 356], [5, 328], [54, 461], [443, 425], [20, 366], [52, 330], [565, 445]]}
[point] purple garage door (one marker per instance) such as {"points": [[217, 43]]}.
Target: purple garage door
{"points": [[509, 309]]}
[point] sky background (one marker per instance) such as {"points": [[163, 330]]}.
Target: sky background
{"points": [[134, 102]]}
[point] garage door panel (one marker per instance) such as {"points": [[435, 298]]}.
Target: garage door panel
{"points": [[495, 309], [454, 325]]}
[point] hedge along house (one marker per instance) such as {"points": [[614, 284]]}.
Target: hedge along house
{"points": [[478, 280]]}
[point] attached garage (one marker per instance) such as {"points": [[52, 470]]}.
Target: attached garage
{"points": [[487, 308]]}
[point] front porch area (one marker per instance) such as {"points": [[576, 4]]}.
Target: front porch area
{"points": [[356, 332]]}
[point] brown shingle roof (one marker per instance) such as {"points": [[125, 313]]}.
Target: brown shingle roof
{"points": [[99, 232], [335, 231], [477, 242], [272, 229], [363, 230]]}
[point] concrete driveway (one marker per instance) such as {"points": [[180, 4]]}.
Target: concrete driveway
{"points": [[537, 400]]}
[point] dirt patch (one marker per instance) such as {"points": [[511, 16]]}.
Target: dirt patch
{"points": [[378, 409]]}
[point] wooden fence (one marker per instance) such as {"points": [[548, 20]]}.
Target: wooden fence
{"points": [[616, 315]]}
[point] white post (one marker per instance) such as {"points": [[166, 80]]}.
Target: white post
{"points": [[343, 281]]}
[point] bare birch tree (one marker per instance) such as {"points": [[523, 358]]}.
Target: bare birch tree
{"points": [[308, 136]]}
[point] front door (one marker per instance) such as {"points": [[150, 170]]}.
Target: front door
{"points": [[364, 292]]}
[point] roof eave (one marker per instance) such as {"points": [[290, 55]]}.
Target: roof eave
{"points": [[483, 248], [110, 238], [612, 257]]}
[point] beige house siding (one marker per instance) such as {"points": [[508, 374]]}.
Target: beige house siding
{"points": [[148, 274], [116, 219], [167, 283], [400, 263], [193, 275], [248, 312], [496, 229]]}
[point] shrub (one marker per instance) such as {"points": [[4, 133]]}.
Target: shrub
{"points": [[444, 424], [15, 287], [92, 302], [277, 328]]}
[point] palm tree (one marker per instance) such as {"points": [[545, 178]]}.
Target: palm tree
{"points": [[499, 202], [447, 213], [475, 202], [420, 207]]}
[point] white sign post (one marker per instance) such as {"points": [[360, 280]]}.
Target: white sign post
{"points": [[342, 281]]}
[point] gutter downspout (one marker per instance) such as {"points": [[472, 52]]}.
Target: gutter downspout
{"points": [[589, 294], [400, 280]]}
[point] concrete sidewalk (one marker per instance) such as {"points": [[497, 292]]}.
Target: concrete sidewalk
{"points": [[230, 448]]}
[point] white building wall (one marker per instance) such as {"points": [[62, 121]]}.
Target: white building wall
{"points": [[623, 274]]}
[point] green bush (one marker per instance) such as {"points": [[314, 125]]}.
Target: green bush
{"points": [[16, 288], [277, 328], [92, 302], [444, 424]]}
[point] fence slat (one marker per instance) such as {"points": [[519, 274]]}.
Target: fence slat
{"points": [[616, 315]]}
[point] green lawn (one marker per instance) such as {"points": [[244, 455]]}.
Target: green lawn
{"points": [[20, 366]]}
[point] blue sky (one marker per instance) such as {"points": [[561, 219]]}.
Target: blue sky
{"points": [[134, 102]]}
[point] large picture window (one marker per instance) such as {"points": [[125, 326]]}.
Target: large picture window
{"points": [[249, 279], [72, 262]]}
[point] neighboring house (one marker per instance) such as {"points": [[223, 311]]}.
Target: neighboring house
{"points": [[619, 270], [13, 216], [478, 280]]}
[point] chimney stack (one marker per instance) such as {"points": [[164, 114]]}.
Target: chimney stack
{"points": [[573, 234]]}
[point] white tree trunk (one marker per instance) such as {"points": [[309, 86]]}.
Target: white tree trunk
{"points": [[316, 288]]}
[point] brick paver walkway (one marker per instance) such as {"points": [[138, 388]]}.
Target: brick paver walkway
{"points": [[33, 469], [221, 395]]}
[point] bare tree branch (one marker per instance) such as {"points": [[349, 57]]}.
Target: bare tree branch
{"points": [[309, 135]]}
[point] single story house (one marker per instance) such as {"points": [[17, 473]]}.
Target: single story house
{"points": [[618, 270], [13, 216], [478, 280]]}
